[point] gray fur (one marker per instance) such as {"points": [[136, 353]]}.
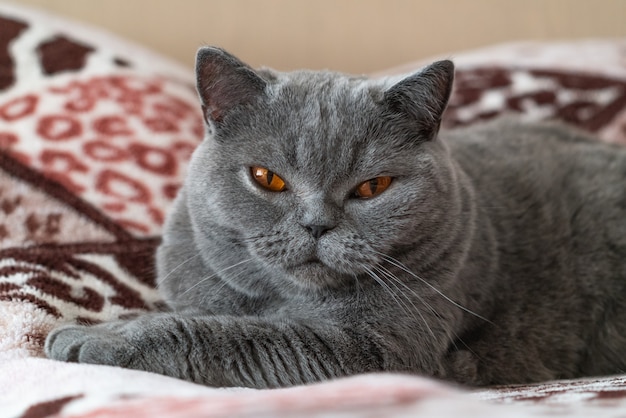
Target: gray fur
{"points": [[497, 255]]}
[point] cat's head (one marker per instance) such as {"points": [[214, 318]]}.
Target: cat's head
{"points": [[317, 175]]}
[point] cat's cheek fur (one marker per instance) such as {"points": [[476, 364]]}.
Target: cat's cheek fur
{"points": [[388, 221]]}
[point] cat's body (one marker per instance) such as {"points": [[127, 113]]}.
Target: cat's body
{"points": [[489, 255]]}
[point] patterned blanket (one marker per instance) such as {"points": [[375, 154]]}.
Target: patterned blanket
{"points": [[95, 134]]}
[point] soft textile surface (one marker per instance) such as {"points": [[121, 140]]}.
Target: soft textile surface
{"points": [[94, 138]]}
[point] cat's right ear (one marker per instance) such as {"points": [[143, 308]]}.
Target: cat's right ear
{"points": [[423, 97], [224, 82]]}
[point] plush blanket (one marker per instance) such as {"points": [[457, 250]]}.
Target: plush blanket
{"points": [[95, 134]]}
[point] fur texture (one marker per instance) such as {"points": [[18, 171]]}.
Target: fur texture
{"points": [[497, 255]]}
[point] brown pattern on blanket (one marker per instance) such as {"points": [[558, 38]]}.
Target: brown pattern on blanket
{"points": [[91, 154], [48, 238], [48, 408], [591, 102], [9, 29]]}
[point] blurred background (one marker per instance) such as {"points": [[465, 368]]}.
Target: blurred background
{"points": [[358, 36]]}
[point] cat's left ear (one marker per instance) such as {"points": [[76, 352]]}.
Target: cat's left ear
{"points": [[423, 97], [224, 82]]}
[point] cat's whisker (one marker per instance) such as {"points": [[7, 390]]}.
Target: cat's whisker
{"points": [[384, 285], [253, 238], [390, 291], [429, 306], [224, 281], [175, 269], [413, 292], [357, 285], [401, 266], [397, 280], [393, 281], [218, 273]]}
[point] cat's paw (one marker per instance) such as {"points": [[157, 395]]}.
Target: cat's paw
{"points": [[100, 344]]}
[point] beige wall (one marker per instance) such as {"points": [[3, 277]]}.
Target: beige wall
{"points": [[348, 35]]}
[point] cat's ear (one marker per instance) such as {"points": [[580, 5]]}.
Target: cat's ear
{"points": [[423, 97], [224, 82]]}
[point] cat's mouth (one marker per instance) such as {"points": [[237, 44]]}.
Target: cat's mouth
{"points": [[311, 264], [312, 261]]}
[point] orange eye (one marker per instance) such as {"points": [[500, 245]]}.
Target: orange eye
{"points": [[267, 179], [372, 187]]}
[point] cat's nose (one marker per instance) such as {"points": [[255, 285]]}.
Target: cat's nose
{"points": [[317, 230]]}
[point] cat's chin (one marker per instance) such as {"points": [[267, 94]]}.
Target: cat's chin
{"points": [[315, 274]]}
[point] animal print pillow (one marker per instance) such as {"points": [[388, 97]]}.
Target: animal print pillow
{"points": [[95, 134]]}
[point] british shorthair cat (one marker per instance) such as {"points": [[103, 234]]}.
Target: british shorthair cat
{"points": [[327, 228]]}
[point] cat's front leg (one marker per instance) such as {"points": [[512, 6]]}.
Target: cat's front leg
{"points": [[223, 350]]}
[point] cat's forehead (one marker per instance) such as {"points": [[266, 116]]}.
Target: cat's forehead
{"points": [[321, 112], [325, 88], [322, 106]]}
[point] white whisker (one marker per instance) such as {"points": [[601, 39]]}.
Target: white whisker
{"points": [[216, 274], [429, 306], [178, 267], [401, 266], [414, 293], [224, 281], [394, 280], [399, 302]]}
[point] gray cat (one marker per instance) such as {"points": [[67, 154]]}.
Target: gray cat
{"points": [[326, 229]]}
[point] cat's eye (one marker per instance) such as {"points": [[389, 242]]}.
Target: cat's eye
{"points": [[267, 179], [372, 187]]}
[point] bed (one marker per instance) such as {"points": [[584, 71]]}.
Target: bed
{"points": [[95, 134]]}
